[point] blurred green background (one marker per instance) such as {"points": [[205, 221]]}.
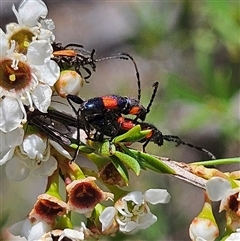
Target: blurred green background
{"points": [[192, 49]]}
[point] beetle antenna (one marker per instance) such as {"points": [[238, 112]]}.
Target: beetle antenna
{"points": [[126, 56], [155, 87], [177, 140]]}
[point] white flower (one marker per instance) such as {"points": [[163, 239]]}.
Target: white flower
{"points": [[27, 80], [26, 69], [31, 229], [31, 22], [32, 156], [8, 142], [132, 211], [217, 189]]}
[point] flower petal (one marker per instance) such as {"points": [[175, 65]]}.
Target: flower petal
{"points": [[3, 44], [50, 72], [39, 52], [8, 142], [217, 188], [129, 227], [60, 149], [71, 234], [46, 168], [31, 11], [147, 220], [107, 217], [33, 146], [41, 97], [16, 170], [38, 230], [15, 137], [155, 196], [11, 114], [135, 196], [31, 230], [5, 155]]}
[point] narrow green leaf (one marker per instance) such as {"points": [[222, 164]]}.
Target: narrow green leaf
{"points": [[154, 162], [128, 152], [133, 135], [129, 161], [120, 168]]}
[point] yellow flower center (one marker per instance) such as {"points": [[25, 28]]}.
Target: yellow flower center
{"points": [[14, 79], [23, 38]]}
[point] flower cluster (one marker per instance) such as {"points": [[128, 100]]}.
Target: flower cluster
{"points": [[30, 75], [37, 75], [27, 77]]}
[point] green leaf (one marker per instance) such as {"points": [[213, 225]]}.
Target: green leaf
{"points": [[133, 135], [107, 148], [154, 163], [131, 162], [120, 168], [128, 152]]}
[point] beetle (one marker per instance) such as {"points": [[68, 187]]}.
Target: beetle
{"points": [[99, 108], [76, 56]]}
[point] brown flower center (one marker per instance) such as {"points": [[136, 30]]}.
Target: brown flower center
{"points": [[14, 79], [23, 38], [85, 195]]}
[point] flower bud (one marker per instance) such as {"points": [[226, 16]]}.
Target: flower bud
{"points": [[69, 82]]}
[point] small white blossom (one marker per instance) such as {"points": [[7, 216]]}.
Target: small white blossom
{"points": [[132, 211], [32, 156], [217, 189], [31, 16]]}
